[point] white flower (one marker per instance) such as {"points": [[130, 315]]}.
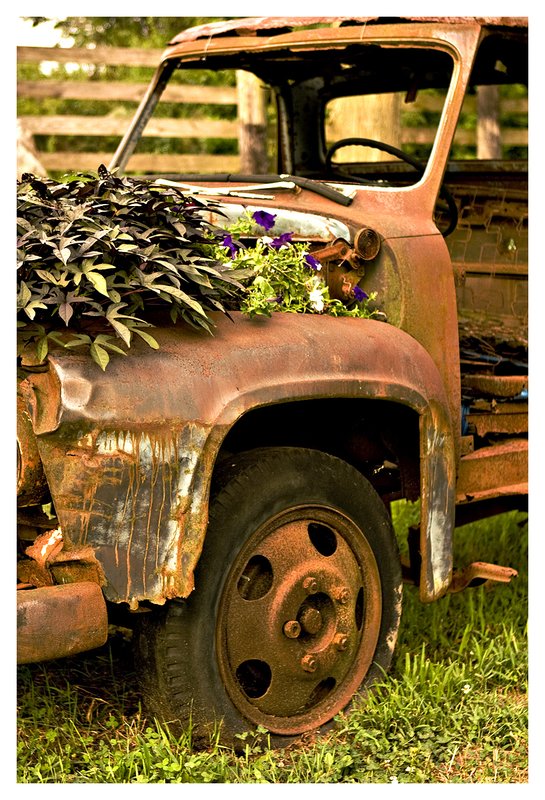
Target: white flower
{"points": [[466, 688], [316, 299], [393, 779]]}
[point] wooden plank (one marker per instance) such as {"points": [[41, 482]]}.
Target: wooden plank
{"points": [[120, 56], [142, 162], [510, 136], [124, 90], [515, 137], [116, 126], [426, 102]]}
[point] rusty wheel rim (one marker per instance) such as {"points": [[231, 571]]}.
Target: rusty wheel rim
{"points": [[299, 619]]}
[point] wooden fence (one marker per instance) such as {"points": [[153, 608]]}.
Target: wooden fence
{"points": [[114, 124]]}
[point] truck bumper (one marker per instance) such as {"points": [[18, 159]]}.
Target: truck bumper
{"points": [[58, 621]]}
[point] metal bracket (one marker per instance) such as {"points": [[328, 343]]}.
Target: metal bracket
{"points": [[479, 572]]}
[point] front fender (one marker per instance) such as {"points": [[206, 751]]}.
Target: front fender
{"points": [[129, 453]]}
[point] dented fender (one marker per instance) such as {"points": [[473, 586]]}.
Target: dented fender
{"points": [[129, 453]]}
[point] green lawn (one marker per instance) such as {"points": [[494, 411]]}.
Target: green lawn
{"points": [[452, 710]]}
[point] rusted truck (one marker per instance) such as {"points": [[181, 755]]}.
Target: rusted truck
{"points": [[231, 494]]}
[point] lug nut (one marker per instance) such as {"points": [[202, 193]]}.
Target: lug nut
{"points": [[310, 584], [340, 641], [308, 663], [292, 629], [342, 596]]}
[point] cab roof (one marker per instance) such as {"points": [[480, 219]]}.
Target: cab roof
{"points": [[244, 26]]}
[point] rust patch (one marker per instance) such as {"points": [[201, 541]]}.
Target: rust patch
{"points": [[50, 562], [124, 495]]}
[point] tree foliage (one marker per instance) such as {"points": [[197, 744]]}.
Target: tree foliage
{"points": [[124, 31]]}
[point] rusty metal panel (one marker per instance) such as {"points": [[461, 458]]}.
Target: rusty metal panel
{"points": [[126, 494]]}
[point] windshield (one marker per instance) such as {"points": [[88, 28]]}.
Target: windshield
{"points": [[358, 113]]}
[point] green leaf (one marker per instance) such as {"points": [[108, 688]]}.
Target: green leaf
{"points": [[121, 329], [99, 282], [42, 348], [60, 280], [30, 309], [179, 295], [24, 294], [147, 338], [99, 355], [80, 339], [105, 341], [63, 254]]}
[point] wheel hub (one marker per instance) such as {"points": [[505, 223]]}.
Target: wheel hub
{"points": [[299, 620]]}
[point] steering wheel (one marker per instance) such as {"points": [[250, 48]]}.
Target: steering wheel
{"points": [[394, 151]]}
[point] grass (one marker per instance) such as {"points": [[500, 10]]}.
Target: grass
{"points": [[452, 710]]}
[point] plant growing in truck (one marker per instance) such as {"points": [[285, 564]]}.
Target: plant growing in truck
{"points": [[100, 255]]}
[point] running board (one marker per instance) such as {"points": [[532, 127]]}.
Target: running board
{"points": [[479, 572]]}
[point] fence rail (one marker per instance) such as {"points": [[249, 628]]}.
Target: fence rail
{"points": [[197, 126]]}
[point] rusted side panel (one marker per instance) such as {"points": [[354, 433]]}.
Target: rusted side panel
{"points": [[127, 493], [129, 468]]}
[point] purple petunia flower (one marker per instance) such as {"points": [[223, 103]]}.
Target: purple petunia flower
{"points": [[230, 244], [281, 241], [312, 262], [359, 294], [264, 219]]}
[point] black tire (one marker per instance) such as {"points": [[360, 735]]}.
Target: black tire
{"points": [[296, 607]]}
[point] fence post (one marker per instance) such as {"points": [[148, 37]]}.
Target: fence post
{"points": [[27, 155], [488, 122], [252, 115], [370, 116]]}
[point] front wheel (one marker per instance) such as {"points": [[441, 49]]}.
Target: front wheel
{"points": [[297, 601]]}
